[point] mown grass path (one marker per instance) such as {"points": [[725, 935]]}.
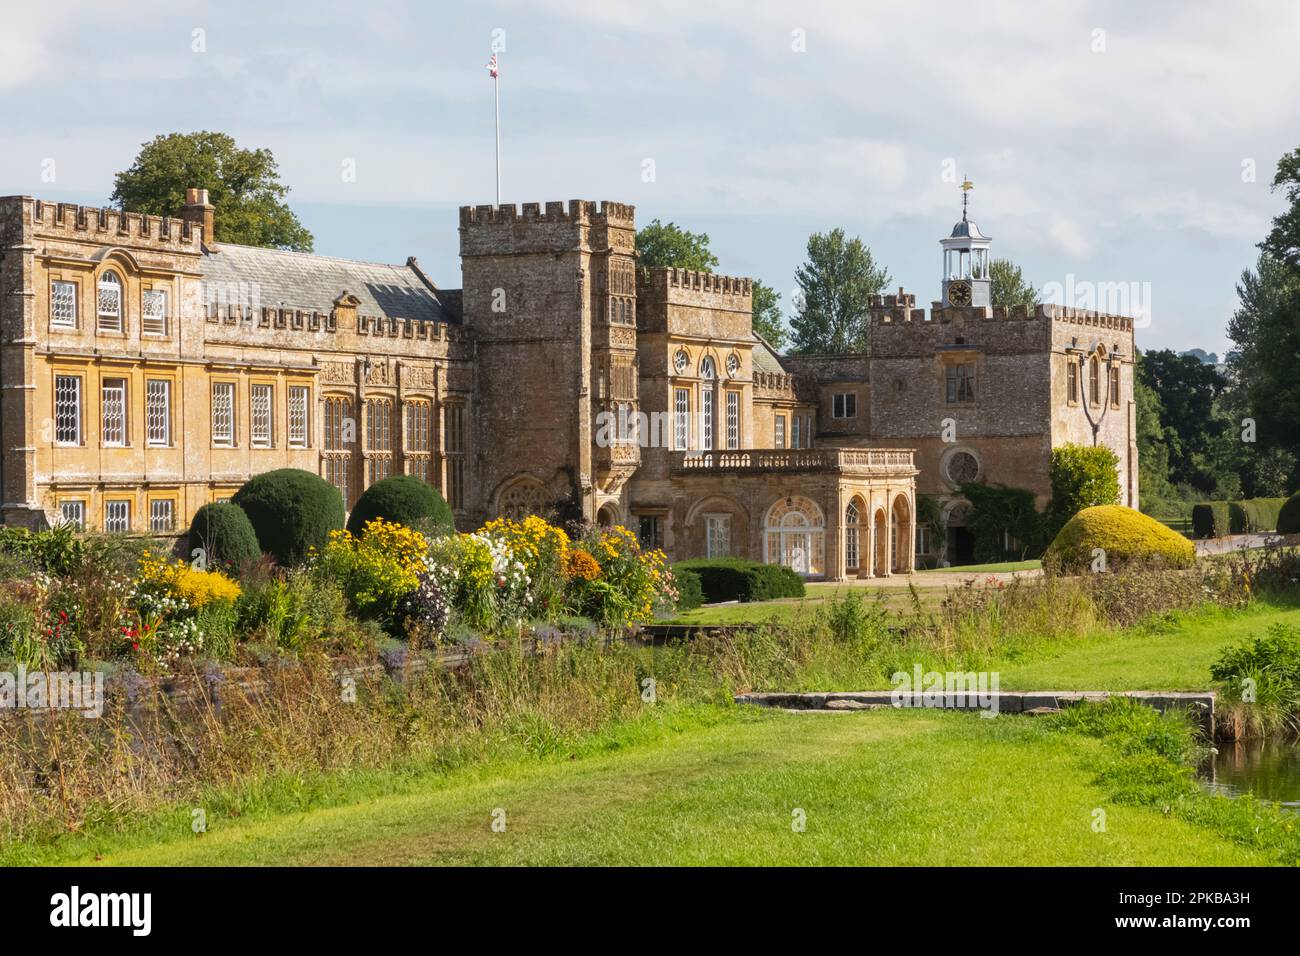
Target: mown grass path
{"points": [[882, 787]]}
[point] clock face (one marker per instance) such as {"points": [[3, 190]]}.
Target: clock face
{"points": [[959, 293], [680, 361]]}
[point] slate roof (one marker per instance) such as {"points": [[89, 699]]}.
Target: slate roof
{"points": [[305, 281], [763, 357]]}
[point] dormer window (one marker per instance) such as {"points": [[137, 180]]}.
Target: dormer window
{"points": [[110, 302]]}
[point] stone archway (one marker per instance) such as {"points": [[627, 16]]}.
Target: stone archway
{"points": [[607, 516], [881, 535], [901, 534], [857, 539]]}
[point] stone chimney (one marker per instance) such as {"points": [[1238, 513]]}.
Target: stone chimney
{"points": [[199, 212]]}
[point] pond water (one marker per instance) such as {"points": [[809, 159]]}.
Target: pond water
{"points": [[1268, 768]]}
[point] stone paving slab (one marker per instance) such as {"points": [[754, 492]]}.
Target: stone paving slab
{"points": [[1007, 701]]}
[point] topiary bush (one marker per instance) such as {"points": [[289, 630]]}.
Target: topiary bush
{"points": [[1288, 518], [1124, 535], [736, 579], [404, 500], [1211, 519], [292, 511], [690, 592], [224, 533]]}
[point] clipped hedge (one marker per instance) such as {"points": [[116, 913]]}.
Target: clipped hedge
{"points": [[1211, 519], [292, 511], [690, 592], [1124, 534], [735, 579], [403, 499], [225, 534], [1288, 519], [1214, 519], [1258, 514]]}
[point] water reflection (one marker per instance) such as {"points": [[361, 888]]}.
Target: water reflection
{"points": [[1270, 769]]}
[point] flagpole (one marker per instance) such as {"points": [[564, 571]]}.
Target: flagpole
{"points": [[496, 96]]}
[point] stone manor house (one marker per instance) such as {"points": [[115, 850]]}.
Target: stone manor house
{"points": [[146, 369]]}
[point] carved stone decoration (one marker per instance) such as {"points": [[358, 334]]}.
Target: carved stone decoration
{"points": [[337, 373]]}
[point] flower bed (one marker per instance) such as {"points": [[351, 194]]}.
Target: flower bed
{"points": [[71, 598]]}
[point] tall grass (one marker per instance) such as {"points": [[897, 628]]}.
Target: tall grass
{"points": [[60, 772]]}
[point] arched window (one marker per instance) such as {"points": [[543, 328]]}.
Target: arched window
{"points": [[525, 497], [709, 373], [110, 302], [851, 519], [1094, 381], [795, 535]]}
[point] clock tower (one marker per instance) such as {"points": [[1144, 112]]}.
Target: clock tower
{"points": [[966, 262]]}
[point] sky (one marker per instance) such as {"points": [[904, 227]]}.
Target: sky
{"points": [[1114, 147]]}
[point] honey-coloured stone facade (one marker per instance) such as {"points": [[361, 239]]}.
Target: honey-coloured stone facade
{"points": [[147, 370]]}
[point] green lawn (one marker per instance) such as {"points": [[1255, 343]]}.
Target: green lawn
{"points": [[758, 612], [876, 788], [1176, 657], [997, 567]]}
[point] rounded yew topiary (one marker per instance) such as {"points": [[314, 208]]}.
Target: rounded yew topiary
{"points": [[224, 533], [1288, 519], [403, 499], [292, 511], [1123, 534]]}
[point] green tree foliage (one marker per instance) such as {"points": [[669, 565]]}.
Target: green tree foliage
{"points": [[244, 185], [1004, 521], [1009, 286], [768, 321], [406, 500], [1081, 477], [1283, 240], [292, 511], [1200, 438], [1266, 330], [836, 285], [1153, 453], [669, 245], [224, 533]]}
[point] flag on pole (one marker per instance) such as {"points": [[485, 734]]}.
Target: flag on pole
{"points": [[495, 72]]}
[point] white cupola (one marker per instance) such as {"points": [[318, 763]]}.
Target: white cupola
{"points": [[966, 261]]}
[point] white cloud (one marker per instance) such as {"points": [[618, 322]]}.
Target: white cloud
{"points": [[1070, 238]]}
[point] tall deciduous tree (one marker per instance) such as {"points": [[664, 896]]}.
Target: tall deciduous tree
{"points": [[1266, 330], [243, 184], [768, 321], [669, 245], [1009, 286], [835, 285]]}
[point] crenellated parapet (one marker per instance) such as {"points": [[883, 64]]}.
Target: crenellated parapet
{"points": [[899, 309], [553, 227], [583, 211], [664, 280], [113, 227]]}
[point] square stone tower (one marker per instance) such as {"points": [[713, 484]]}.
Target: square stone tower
{"points": [[550, 294]]}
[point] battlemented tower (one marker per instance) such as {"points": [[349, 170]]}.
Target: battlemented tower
{"points": [[550, 293]]}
